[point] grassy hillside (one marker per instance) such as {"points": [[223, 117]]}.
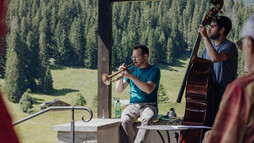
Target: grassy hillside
{"points": [[67, 82]]}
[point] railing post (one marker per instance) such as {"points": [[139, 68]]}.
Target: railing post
{"points": [[72, 126], [72, 134]]}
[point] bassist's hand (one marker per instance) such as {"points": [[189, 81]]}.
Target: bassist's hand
{"points": [[202, 31]]}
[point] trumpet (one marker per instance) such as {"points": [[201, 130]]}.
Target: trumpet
{"points": [[107, 79]]}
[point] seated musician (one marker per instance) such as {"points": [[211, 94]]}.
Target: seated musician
{"points": [[234, 121], [222, 52], [144, 85]]}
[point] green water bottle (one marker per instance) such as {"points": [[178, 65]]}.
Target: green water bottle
{"points": [[118, 109]]}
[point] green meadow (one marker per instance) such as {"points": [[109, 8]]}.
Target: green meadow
{"points": [[68, 81]]}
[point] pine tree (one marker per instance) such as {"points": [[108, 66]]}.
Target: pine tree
{"points": [[170, 51], [123, 21], [162, 43], [63, 50], [22, 11], [23, 29], [66, 15], [47, 81], [117, 57], [153, 51], [79, 100], [77, 42], [32, 61], [132, 41], [45, 77], [131, 22], [15, 73], [53, 24], [35, 7], [29, 60], [91, 49], [162, 95], [43, 43], [195, 22], [123, 53]]}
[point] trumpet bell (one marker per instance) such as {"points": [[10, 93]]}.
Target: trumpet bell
{"points": [[106, 79]]}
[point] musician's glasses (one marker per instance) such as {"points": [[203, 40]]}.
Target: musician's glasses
{"points": [[135, 57]]}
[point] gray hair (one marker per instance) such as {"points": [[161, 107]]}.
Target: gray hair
{"points": [[248, 29]]}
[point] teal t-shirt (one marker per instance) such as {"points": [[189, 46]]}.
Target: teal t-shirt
{"points": [[151, 73]]}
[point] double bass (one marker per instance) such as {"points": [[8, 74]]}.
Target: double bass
{"points": [[200, 93]]}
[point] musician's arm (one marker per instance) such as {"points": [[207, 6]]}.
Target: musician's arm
{"points": [[147, 87], [121, 85], [213, 54]]}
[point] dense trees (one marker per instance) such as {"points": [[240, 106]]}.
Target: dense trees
{"points": [[66, 31], [15, 78]]}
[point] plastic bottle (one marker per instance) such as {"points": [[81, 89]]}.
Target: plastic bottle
{"points": [[118, 109]]}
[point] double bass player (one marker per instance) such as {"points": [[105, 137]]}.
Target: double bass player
{"points": [[222, 52]]}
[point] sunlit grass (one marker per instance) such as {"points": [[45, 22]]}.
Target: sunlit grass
{"points": [[67, 82]]}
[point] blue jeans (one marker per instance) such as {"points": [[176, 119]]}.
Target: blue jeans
{"points": [[147, 113]]}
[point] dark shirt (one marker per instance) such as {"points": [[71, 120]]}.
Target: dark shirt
{"points": [[223, 72]]}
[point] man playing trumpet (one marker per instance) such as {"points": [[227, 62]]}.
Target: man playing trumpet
{"points": [[144, 85]]}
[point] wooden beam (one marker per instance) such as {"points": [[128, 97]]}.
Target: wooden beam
{"points": [[104, 57]]}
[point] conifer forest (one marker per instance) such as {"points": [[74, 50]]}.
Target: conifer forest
{"points": [[64, 32]]}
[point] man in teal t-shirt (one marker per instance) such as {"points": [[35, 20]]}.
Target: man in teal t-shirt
{"points": [[144, 84]]}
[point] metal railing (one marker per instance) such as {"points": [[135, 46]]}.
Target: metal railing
{"points": [[72, 108]]}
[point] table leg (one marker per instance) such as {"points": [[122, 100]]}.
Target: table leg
{"points": [[161, 136], [168, 137], [176, 136]]}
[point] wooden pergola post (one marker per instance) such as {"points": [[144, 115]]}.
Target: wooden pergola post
{"points": [[105, 55]]}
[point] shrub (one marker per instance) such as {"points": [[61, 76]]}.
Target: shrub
{"points": [[78, 100], [31, 111], [162, 95], [26, 102]]}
